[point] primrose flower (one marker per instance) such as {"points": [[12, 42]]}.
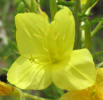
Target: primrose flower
{"points": [[47, 54], [93, 93], [5, 89]]}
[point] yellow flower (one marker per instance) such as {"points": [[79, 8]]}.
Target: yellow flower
{"points": [[93, 93], [47, 54], [6, 89]]}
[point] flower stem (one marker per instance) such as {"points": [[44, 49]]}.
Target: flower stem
{"points": [[19, 94], [44, 4], [26, 4], [77, 11], [53, 8], [33, 97], [22, 95], [87, 34], [70, 4]]}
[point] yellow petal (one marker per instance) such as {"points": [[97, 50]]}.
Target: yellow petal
{"points": [[43, 13], [38, 38], [77, 73], [77, 95], [99, 82], [60, 40], [27, 74], [30, 33]]}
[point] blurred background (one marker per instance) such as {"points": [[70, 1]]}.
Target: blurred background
{"points": [[8, 48]]}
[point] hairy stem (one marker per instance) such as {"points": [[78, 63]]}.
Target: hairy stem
{"points": [[77, 11], [87, 34]]}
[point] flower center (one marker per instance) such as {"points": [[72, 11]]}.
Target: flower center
{"points": [[55, 61]]}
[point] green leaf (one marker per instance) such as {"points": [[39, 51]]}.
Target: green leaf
{"points": [[97, 28], [96, 20]]}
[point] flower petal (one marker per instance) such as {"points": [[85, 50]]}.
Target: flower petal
{"points": [[77, 73], [77, 95], [30, 34], [27, 74], [62, 33], [99, 82]]}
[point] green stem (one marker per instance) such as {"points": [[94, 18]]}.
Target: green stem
{"points": [[77, 11], [26, 4], [33, 5], [33, 97], [98, 27], [44, 4], [19, 94], [23, 96], [66, 3], [53, 8], [87, 34]]}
